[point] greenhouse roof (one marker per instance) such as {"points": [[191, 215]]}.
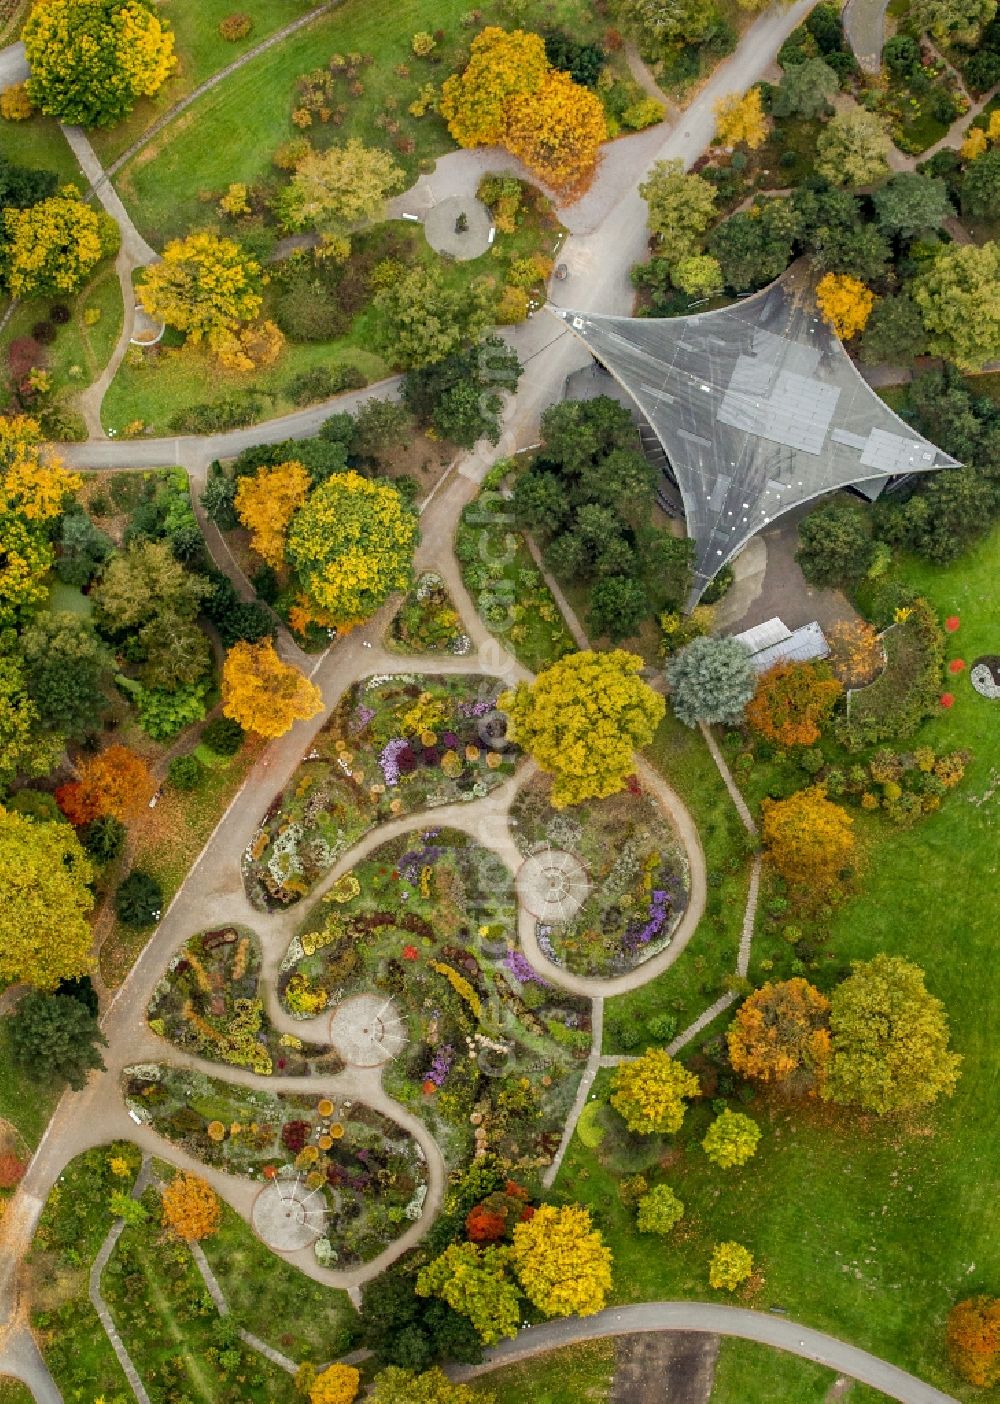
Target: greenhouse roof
{"points": [[758, 408]]}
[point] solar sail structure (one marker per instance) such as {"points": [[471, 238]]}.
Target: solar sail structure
{"points": [[758, 409]]}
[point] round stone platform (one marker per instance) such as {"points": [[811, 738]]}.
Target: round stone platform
{"points": [[287, 1216], [366, 1030], [553, 884], [443, 236]]}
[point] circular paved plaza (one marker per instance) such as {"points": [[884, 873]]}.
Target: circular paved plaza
{"points": [[287, 1216], [366, 1030], [553, 884], [441, 226]]}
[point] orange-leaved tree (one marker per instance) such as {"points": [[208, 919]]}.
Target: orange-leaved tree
{"points": [[501, 67], [846, 304], [973, 1336], [264, 694], [809, 840], [557, 131], [265, 504], [792, 702], [191, 1207], [856, 654], [115, 782], [781, 1034]]}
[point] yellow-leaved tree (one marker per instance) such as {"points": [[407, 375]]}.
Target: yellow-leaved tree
{"points": [[33, 486], [650, 1092], [50, 247], [204, 286], [583, 719], [264, 694], [265, 504], [352, 545], [809, 840], [501, 66], [562, 1262], [740, 121], [845, 302], [44, 902], [91, 60], [510, 95], [557, 131]]}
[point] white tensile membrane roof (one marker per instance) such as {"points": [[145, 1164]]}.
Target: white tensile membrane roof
{"points": [[758, 407]]}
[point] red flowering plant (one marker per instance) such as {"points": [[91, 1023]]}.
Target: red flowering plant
{"points": [[952, 623], [957, 665], [947, 699], [410, 953]]}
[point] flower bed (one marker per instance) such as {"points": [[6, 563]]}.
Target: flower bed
{"points": [[428, 621], [368, 1168], [494, 1052], [637, 871], [907, 691], [393, 745], [209, 1003]]}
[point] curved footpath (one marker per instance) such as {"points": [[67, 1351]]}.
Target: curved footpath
{"points": [[776, 1331]]}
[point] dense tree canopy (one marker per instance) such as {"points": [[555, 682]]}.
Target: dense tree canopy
{"points": [[681, 207], [710, 680], [835, 545], [425, 320], [845, 303], [91, 60], [973, 1337], [396, 1386], [909, 203], [44, 902], [959, 301], [266, 502], [792, 703], [557, 132], [853, 149], [953, 21], [664, 24], [889, 1038], [582, 719], [205, 286], [501, 66], [731, 1140], [809, 840], [340, 188], [474, 1282], [806, 90], [191, 1208], [264, 694], [562, 1262], [740, 120], [50, 247], [352, 545], [65, 667], [781, 1034], [54, 1036], [981, 185], [651, 1092]]}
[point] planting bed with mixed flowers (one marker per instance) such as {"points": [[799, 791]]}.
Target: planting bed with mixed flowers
{"points": [[393, 745], [370, 1171], [637, 872], [494, 1052], [209, 1003], [428, 621]]}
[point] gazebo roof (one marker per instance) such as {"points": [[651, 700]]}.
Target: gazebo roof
{"points": [[758, 407]]}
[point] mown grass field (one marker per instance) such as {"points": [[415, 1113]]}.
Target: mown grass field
{"points": [[231, 133], [577, 1375], [869, 1229]]}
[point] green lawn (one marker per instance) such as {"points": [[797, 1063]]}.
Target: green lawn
{"points": [[747, 1373], [275, 1301], [577, 1375], [869, 1229], [231, 133], [79, 352], [39, 142], [201, 51], [27, 1104], [179, 1344], [684, 990]]}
